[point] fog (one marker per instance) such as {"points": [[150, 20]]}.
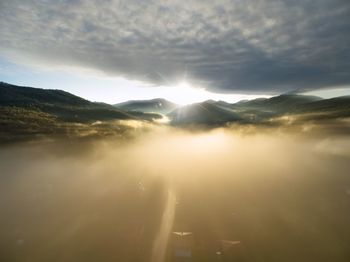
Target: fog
{"points": [[244, 194]]}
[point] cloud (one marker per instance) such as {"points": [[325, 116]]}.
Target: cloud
{"points": [[227, 46]]}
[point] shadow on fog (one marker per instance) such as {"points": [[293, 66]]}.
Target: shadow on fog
{"points": [[240, 193]]}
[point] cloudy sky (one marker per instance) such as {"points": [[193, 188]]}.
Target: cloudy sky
{"points": [[117, 50]]}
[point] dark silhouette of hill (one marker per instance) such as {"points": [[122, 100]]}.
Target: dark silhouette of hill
{"points": [[332, 104], [325, 109], [205, 113], [276, 104], [261, 110], [29, 96], [63, 105], [158, 105], [296, 104]]}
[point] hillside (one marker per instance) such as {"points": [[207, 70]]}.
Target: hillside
{"points": [[276, 104], [261, 110], [62, 105], [27, 113], [158, 105], [205, 113]]}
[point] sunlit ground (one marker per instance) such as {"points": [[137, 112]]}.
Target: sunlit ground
{"points": [[174, 195]]}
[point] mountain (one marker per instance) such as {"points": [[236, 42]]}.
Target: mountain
{"points": [[326, 108], [28, 113], [261, 110], [62, 105], [295, 104], [34, 107], [205, 113], [28, 96], [332, 104], [158, 105], [277, 104]]}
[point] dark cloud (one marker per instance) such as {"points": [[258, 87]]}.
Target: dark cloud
{"points": [[249, 46]]}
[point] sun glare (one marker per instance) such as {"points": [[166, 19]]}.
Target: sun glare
{"points": [[185, 93]]}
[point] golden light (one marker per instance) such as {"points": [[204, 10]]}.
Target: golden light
{"points": [[184, 93]]}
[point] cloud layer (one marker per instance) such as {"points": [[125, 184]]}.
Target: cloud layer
{"points": [[226, 46]]}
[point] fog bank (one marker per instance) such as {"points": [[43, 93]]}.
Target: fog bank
{"points": [[281, 196]]}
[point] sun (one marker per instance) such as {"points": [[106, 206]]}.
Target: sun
{"points": [[183, 93]]}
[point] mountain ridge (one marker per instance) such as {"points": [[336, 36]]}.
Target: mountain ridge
{"points": [[63, 105], [68, 107], [156, 105]]}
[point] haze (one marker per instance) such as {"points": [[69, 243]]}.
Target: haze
{"points": [[283, 196]]}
